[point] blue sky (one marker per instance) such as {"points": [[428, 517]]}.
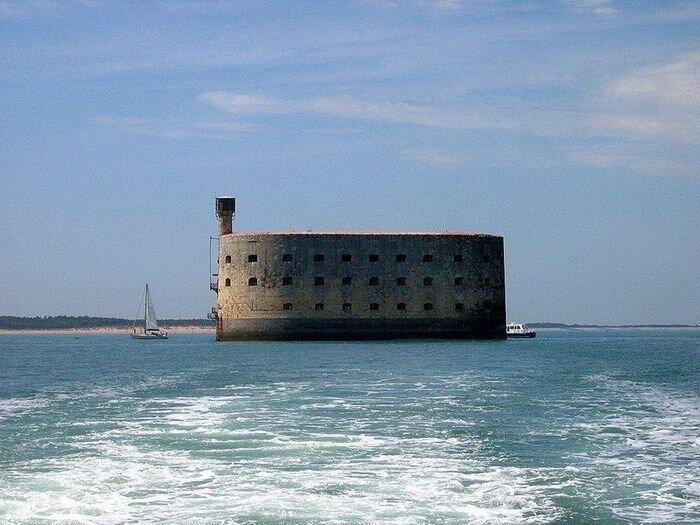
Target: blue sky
{"points": [[569, 127]]}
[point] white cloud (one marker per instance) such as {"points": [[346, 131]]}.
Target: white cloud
{"points": [[346, 107], [659, 102], [673, 84], [438, 6], [632, 160], [634, 124], [442, 5], [13, 9], [434, 156], [25, 8], [597, 7], [176, 130]]}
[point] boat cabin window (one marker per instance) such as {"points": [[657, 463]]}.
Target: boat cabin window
{"points": [[287, 306], [427, 258], [459, 281], [401, 258], [228, 258], [347, 307], [286, 281], [319, 281], [347, 281], [374, 281], [373, 257], [228, 282], [400, 281], [252, 281], [401, 307], [346, 257], [428, 306], [428, 281], [318, 307], [459, 307], [458, 258], [374, 306], [253, 257], [318, 257], [287, 257], [487, 282]]}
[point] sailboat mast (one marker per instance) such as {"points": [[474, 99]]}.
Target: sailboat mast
{"points": [[145, 310]]}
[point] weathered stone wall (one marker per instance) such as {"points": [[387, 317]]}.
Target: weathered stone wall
{"points": [[452, 285]]}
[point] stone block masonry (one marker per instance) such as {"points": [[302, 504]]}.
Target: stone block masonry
{"points": [[360, 285]]}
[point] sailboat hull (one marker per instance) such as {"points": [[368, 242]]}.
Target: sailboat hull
{"points": [[149, 336]]}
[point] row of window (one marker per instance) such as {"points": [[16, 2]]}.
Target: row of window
{"points": [[347, 281], [346, 257], [347, 307]]}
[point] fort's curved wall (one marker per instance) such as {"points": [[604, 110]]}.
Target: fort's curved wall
{"points": [[360, 286]]}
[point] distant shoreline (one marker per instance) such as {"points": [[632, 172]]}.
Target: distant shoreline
{"points": [[64, 324], [68, 323], [563, 326], [198, 329], [617, 328], [101, 330]]}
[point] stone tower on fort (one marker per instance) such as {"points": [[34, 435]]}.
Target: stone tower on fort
{"points": [[357, 285]]}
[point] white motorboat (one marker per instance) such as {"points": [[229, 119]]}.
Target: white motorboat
{"points": [[519, 330]]}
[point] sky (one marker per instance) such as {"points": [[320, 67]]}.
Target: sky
{"points": [[569, 127]]}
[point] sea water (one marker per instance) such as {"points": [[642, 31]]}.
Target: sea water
{"points": [[571, 427]]}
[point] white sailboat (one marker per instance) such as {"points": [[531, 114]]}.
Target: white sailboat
{"points": [[150, 329]]}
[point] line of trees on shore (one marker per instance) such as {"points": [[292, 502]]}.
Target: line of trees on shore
{"points": [[67, 322], [61, 322], [574, 326]]}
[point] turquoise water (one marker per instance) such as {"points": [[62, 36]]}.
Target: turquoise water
{"points": [[571, 427]]}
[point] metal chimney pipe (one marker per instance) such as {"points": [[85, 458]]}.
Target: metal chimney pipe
{"points": [[225, 212]]}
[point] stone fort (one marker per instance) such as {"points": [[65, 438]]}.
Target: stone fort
{"points": [[357, 285]]}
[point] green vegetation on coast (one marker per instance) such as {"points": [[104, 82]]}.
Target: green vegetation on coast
{"points": [[564, 326], [65, 322]]}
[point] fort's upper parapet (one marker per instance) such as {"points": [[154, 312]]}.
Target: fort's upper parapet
{"points": [[351, 232]]}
